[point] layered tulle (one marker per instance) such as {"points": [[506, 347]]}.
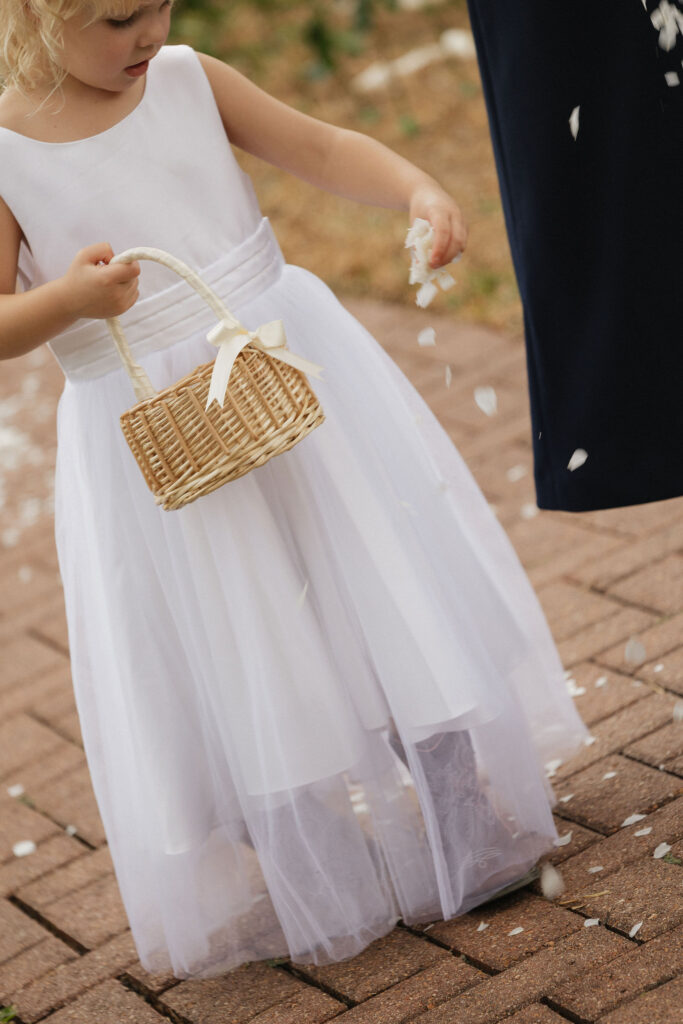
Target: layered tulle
{"points": [[319, 699]]}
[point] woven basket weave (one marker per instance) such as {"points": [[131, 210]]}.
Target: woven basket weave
{"points": [[186, 450]]}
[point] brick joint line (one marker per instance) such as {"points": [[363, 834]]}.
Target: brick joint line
{"points": [[139, 988], [30, 911], [292, 969]]}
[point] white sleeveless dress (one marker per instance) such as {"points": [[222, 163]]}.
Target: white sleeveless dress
{"points": [[319, 699]]}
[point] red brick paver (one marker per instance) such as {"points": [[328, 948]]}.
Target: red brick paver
{"points": [[66, 955]]}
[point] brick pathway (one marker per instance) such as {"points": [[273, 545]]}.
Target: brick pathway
{"points": [[65, 952]]}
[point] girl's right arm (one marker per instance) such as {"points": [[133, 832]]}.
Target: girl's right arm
{"points": [[27, 319]]}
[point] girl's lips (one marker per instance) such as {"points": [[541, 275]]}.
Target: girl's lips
{"points": [[135, 70]]}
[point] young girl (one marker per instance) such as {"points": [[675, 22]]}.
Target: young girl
{"points": [[320, 698]]}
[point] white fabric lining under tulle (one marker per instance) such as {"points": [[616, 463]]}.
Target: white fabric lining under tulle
{"points": [[261, 676]]}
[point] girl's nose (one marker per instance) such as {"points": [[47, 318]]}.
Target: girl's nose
{"points": [[153, 33]]}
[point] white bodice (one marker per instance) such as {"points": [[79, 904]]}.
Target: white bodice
{"points": [[134, 184]]}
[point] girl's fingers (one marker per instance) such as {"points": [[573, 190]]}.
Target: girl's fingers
{"points": [[120, 273], [101, 252], [458, 239], [442, 240]]}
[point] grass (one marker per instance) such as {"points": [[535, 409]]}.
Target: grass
{"points": [[436, 118]]}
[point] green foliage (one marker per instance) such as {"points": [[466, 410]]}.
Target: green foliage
{"points": [[7, 1013], [328, 42], [409, 125], [197, 22], [365, 10]]}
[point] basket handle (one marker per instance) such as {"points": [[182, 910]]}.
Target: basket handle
{"points": [[142, 385]]}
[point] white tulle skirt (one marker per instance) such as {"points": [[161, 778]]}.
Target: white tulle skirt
{"points": [[319, 699]]}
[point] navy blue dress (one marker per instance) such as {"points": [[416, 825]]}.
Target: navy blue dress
{"points": [[596, 231]]}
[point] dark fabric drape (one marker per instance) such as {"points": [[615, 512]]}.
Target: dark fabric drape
{"points": [[596, 227]]}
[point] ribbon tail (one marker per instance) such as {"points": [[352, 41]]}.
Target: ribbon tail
{"points": [[298, 362], [222, 368]]}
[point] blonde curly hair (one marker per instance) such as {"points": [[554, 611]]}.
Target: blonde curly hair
{"points": [[31, 32]]}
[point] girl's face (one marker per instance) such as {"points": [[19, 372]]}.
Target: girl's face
{"points": [[110, 53]]}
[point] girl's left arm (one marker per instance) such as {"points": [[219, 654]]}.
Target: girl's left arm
{"points": [[338, 160]]}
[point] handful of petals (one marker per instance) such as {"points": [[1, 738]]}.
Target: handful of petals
{"points": [[420, 239]]}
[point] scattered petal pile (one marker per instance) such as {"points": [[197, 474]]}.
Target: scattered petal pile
{"points": [[552, 882]]}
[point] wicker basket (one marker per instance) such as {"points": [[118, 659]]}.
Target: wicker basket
{"points": [[187, 444]]}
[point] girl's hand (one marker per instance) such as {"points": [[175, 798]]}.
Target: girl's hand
{"points": [[99, 291], [450, 231]]}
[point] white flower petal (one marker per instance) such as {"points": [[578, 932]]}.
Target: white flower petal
{"points": [[661, 851], [448, 375], [552, 883], [427, 336], [590, 922], [643, 831], [552, 766], [574, 122], [601, 681], [417, 59], [516, 931], [596, 870], [446, 281], [71, 830], [634, 931], [671, 78], [375, 76], [634, 651], [609, 775], [483, 925], [529, 510], [678, 711], [567, 798], [564, 840], [631, 820], [574, 690], [426, 294], [487, 400], [16, 790], [516, 473], [455, 42], [577, 460], [659, 667], [23, 848], [589, 741]]}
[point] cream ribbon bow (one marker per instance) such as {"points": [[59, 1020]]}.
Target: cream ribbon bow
{"points": [[230, 337]]}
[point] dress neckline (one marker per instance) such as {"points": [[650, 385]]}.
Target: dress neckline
{"points": [[98, 135]]}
